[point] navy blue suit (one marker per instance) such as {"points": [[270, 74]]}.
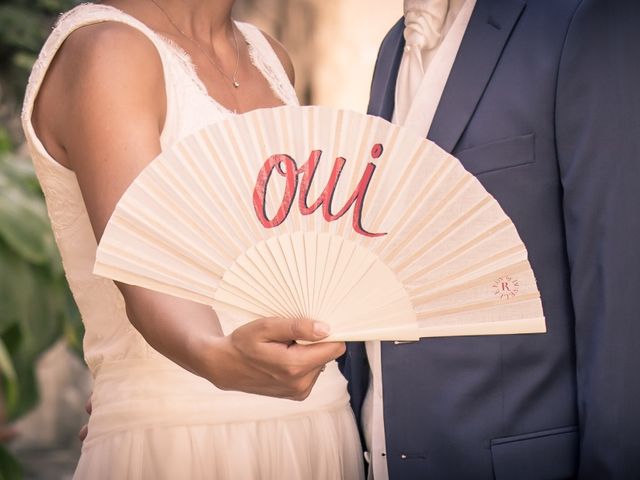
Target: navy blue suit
{"points": [[543, 106]]}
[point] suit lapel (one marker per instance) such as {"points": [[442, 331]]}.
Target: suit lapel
{"points": [[383, 86], [489, 28]]}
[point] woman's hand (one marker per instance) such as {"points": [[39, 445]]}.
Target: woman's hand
{"points": [[263, 357], [84, 430]]}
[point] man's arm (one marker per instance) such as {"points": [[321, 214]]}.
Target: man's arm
{"points": [[598, 143]]}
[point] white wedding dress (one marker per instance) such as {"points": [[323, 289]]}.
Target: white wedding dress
{"points": [[151, 419]]}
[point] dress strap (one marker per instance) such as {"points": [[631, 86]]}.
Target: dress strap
{"points": [[80, 16], [266, 60]]}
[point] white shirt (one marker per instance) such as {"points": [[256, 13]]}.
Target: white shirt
{"points": [[437, 64]]}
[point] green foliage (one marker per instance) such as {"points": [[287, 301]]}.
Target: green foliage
{"points": [[36, 307], [5, 141], [10, 469], [24, 25]]}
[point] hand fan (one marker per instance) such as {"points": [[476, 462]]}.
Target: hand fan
{"points": [[324, 214]]}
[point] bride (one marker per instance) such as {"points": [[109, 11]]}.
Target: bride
{"points": [[173, 397]]}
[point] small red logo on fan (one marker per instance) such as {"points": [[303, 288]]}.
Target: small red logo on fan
{"points": [[506, 287]]}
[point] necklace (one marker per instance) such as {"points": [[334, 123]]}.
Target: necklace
{"points": [[234, 81]]}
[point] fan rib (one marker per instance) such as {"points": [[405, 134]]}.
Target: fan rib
{"points": [[328, 267], [274, 192], [491, 276], [448, 230], [172, 179], [340, 130], [413, 208], [261, 283], [368, 265], [400, 182], [509, 252], [289, 251], [230, 188], [298, 248], [121, 260], [234, 308], [235, 144], [159, 285], [334, 253], [175, 214], [382, 306], [343, 278], [474, 242], [310, 258], [234, 287], [269, 260], [358, 159], [239, 236], [475, 306], [115, 261], [501, 327], [293, 285], [432, 214], [400, 333], [166, 243], [240, 152]]}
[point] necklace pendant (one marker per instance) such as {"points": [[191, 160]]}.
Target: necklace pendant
{"points": [[236, 83]]}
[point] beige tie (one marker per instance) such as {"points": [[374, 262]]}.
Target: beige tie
{"points": [[423, 20]]}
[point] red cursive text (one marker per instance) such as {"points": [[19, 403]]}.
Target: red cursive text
{"points": [[286, 167]]}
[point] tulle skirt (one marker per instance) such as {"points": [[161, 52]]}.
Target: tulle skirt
{"points": [[160, 422]]}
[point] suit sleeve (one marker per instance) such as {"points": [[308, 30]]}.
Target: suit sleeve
{"points": [[598, 143]]}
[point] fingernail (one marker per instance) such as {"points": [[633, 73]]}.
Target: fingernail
{"points": [[321, 329]]}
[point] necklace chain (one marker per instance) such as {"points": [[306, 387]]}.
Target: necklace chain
{"points": [[233, 78]]}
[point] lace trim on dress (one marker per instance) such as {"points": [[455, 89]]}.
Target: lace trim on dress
{"points": [[191, 70], [262, 57], [265, 59]]}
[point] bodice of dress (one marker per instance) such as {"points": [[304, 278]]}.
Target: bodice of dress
{"points": [[109, 334]]}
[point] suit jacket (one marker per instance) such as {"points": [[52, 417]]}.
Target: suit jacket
{"points": [[543, 106]]}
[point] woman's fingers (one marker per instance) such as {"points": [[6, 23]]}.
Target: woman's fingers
{"points": [[263, 357], [84, 430], [82, 434], [285, 330]]}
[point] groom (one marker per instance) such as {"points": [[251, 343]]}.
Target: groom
{"points": [[540, 99]]}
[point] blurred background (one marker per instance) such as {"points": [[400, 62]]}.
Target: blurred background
{"points": [[44, 383]]}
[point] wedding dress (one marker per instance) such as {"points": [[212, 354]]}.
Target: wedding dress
{"points": [[152, 419]]}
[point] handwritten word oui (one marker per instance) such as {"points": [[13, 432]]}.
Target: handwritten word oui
{"points": [[286, 167]]}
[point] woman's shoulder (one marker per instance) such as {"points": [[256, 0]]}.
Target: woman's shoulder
{"points": [[105, 52], [95, 22], [106, 41], [99, 67], [97, 29]]}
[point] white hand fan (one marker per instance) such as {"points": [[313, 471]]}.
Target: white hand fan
{"points": [[324, 214]]}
